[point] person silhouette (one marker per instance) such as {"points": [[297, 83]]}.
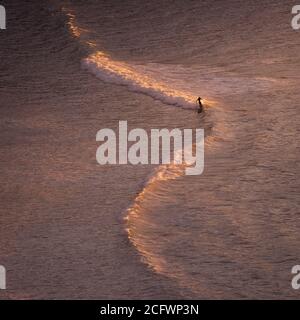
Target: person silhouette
{"points": [[200, 109]]}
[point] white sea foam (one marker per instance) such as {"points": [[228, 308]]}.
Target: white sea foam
{"points": [[115, 72]]}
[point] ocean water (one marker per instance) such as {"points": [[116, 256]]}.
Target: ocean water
{"points": [[70, 228]]}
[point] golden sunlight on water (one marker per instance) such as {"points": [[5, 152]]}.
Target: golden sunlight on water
{"points": [[163, 173], [128, 75], [135, 231], [135, 211], [110, 70], [121, 73], [74, 29]]}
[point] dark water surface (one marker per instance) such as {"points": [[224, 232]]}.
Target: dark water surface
{"points": [[70, 68]]}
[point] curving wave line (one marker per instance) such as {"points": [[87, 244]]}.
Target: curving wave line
{"points": [[156, 261], [162, 173], [120, 73], [134, 212], [117, 72]]}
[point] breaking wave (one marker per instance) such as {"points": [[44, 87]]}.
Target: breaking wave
{"points": [[121, 73]]}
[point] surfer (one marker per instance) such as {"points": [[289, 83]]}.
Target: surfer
{"points": [[200, 109]]}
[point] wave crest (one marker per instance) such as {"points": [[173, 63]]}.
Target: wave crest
{"points": [[120, 73]]}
